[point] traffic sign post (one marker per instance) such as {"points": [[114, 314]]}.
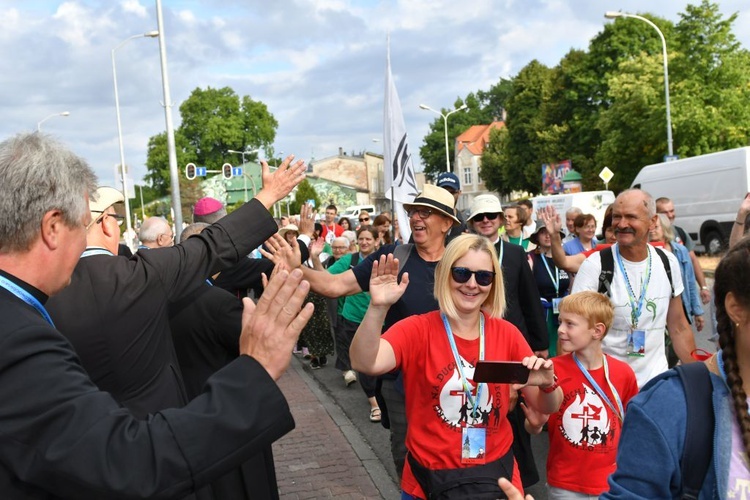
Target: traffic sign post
{"points": [[606, 175], [190, 171]]}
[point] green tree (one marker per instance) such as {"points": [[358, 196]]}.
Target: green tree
{"points": [[213, 121], [305, 191]]}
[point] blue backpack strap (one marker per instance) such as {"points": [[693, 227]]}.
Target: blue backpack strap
{"points": [[699, 428], [607, 273]]}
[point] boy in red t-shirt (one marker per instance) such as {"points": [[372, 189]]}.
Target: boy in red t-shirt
{"points": [[585, 431]]}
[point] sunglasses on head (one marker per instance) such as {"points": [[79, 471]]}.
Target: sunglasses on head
{"points": [[481, 217], [463, 274]]}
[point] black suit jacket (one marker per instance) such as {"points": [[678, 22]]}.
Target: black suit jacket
{"points": [[523, 304], [62, 437], [206, 329], [115, 310]]}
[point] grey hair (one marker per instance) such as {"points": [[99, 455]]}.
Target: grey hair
{"points": [[39, 174], [151, 228], [193, 229], [573, 210], [648, 200]]}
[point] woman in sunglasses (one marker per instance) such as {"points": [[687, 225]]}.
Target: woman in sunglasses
{"points": [[458, 430]]}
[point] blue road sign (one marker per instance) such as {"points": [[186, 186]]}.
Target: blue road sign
{"points": [[671, 158], [236, 171], [200, 171]]}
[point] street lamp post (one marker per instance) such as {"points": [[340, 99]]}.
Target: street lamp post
{"points": [[445, 122], [39, 124], [244, 174], [614, 15], [128, 224]]}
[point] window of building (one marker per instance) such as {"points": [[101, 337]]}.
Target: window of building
{"points": [[467, 176]]}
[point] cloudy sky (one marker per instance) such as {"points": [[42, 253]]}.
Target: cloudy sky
{"points": [[319, 65]]}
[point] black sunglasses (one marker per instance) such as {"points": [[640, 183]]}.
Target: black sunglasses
{"points": [[463, 274], [364, 219], [480, 217]]}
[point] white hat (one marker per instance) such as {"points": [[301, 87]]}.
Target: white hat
{"points": [[105, 197], [437, 198], [485, 204], [287, 228]]}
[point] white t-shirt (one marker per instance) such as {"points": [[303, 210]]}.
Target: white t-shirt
{"points": [[653, 317]]}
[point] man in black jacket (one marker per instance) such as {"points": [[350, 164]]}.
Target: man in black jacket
{"points": [[64, 438], [523, 309]]}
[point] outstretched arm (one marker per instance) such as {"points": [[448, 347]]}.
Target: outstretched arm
{"points": [[368, 352]]}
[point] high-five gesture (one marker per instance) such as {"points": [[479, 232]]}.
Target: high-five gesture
{"points": [[385, 290], [278, 184], [279, 251]]}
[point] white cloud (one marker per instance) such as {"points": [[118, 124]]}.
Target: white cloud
{"points": [[318, 64]]}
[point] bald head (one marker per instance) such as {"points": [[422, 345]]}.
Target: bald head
{"points": [[156, 233]]}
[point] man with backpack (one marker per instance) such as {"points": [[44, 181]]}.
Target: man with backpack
{"points": [[643, 289]]}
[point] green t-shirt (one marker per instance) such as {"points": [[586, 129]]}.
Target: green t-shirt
{"points": [[355, 306]]}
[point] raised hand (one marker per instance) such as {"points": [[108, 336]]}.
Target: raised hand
{"points": [[551, 219], [270, 329], [277, 185], [385, 290], [279, 251], [306, 220], [316, 248]]}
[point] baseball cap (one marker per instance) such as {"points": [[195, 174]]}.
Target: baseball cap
{"points": [[485, 204], [448, 180]]}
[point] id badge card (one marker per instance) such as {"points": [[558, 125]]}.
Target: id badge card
{"points": [[636, 343], [474, 445], [556, 305]]}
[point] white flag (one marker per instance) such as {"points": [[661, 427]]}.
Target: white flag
{"points": [[400, 181]]}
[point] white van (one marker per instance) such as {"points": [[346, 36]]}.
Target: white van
{"points": [[355, 210], [590, 202], [706, 190]]}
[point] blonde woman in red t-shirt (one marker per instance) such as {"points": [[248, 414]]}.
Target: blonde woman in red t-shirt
{"points": [[457, 428]]}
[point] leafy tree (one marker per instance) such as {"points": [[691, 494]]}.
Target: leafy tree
{"points": [[213, 121], [305, 191]]}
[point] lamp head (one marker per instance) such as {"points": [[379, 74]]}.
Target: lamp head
{"points": [[612, 14], [65, 113], [151, 34], [424, 106], [463, 106]]}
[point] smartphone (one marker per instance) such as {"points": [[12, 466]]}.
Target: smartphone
{"points": [[501, 372]]}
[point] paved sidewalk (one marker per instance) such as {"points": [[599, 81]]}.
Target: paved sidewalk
{"points": [[325, 455]]}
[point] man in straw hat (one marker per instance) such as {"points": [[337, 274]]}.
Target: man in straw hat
{"points": [[431, 216]]}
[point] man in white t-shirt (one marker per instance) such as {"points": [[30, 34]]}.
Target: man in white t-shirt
{"points": [[640, 344]]}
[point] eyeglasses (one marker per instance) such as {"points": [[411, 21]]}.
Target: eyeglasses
{"points": [[364, 219], [463, 274], [118, 218], [481, 217], [424, 213], [339, 248]]}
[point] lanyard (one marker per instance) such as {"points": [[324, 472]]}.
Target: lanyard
{"points": [[502, 251], [556, 279], [467, 389], [635, 309], [26, 297], [96, 251], [617, 411]]}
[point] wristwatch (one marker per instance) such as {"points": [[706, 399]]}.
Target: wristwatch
{"points": [[550, 388]]}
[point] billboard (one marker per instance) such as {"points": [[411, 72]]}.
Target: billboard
{"points": [[552, 175]]}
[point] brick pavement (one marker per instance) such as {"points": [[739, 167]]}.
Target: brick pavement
{"points": [[324, 456]]}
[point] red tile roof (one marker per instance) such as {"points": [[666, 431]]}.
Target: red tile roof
{"points": [[476, 137]]}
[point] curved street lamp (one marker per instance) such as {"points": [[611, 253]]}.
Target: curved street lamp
{"points": [[445, 122], [39, 124], [150, 34], [615, 15]]}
